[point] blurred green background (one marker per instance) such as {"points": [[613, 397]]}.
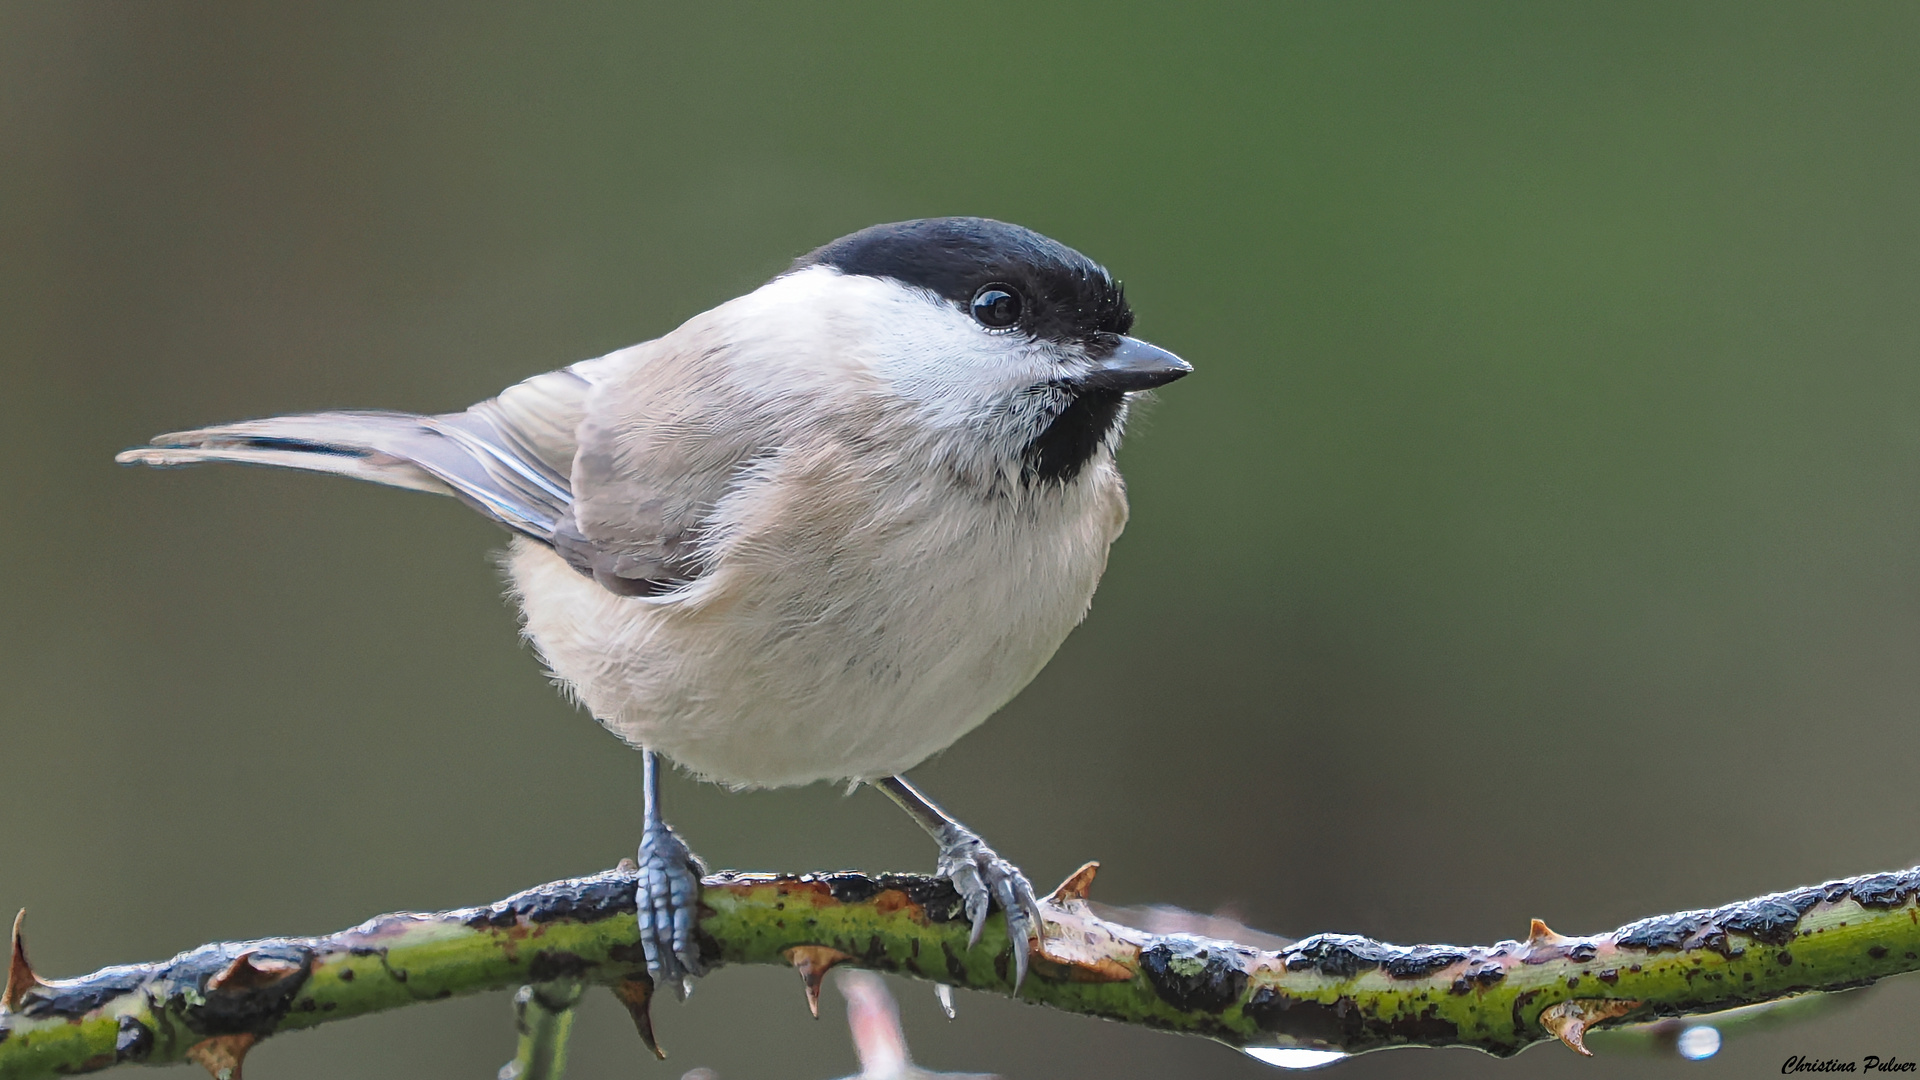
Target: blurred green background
{"points": [[1538, 537]]}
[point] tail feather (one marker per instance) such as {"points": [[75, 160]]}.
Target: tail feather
{"points": [[507, 458]]}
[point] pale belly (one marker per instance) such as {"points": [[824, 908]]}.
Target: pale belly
{"points": [[803, 665]]}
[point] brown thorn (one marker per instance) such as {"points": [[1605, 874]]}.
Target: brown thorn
{"points": [[1076, 887], [248, 973], [1569, 1020], [813, 962], [20, 976], [637, 996], [222, 1054]]}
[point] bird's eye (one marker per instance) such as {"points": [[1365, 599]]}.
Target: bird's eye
{"points": [[996, 306]]}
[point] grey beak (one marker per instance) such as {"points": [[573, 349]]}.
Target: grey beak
{"points": [[1135, 365]]}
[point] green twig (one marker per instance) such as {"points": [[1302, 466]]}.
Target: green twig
{"points": [[1327, 992], [543, 1016]]}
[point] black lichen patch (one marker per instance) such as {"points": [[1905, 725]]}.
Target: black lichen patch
{"points": [[1195, 975], [1343, 1025], [586, 900], [1337, 1026], [1426, 1027], [847, 886], [1769, 920], [1420, 961], [710, 951], [634, 953], [133, 1041], [549, 964], [495, 917], [1480, 974], [241, 1006], [1662, 931], [1346, 955], [1887, 890], [936, 896], [1520, 1002], [72, 1000], [874, 956]]}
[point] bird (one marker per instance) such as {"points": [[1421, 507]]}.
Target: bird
{"points": [[815, 533]]}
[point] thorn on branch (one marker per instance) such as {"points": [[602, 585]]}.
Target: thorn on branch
{"points": [[813, 962], [20, 976], [222, 1055], [1076, 887], [637, 996], [1542, 934], [1569, 1020], [250, 971], [1089, 953]]}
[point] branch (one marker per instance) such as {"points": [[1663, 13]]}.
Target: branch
{"points": [[1328, 992]]}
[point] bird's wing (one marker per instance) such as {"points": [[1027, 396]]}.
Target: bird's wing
{"points": [[662, 443], [647, 470]]}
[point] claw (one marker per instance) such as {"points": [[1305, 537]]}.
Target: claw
{"points": [[1007, 892], [977, 910], [668, 898], [984, 879]]}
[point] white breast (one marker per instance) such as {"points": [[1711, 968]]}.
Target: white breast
{"points": [[852, 636]]}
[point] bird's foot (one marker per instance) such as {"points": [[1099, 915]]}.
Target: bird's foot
{"points": [[668, 898], [979, 874]]}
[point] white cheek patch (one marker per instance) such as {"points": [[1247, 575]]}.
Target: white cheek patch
{"points": [[819, 329], [936, 356], [978, 397]]}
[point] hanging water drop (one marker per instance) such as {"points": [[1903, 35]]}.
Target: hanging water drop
{"points": [[1293, 1057], [945, 994], [1698, 1043]]}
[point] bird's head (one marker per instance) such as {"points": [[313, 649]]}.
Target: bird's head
{"points": [[1012, 347]]}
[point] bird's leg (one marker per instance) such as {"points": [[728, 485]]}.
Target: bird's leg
{"points": [[976, 870], [668, 895]]}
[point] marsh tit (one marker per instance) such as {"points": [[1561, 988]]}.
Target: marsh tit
{"points": [[817, 533]]}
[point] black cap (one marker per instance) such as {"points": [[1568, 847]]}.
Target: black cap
{"points": [[1067, 296]]}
